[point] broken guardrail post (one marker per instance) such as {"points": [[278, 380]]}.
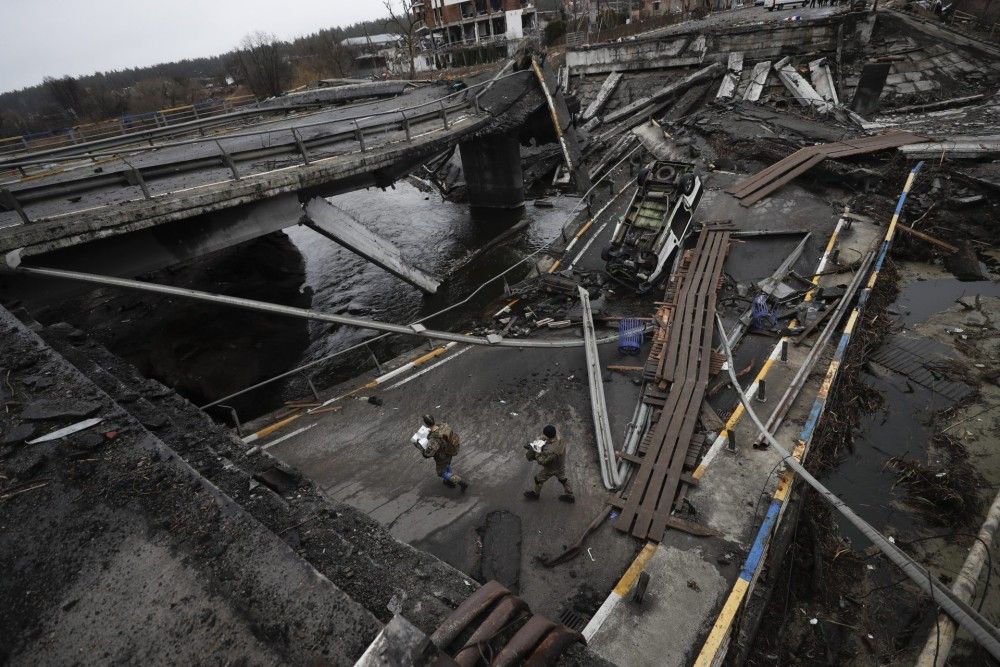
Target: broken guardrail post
{"points": [[301, 145], [359, 135], [9, 202], [236, 419], [227, 160], [134, 177], [406, 126], [312, 387], [371, 352], [444, 115]]}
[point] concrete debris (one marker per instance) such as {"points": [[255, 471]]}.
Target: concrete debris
{"points": [[956, 148], [637, 111], [731, 78], [822, 80], [869, 88], [336, 224], [800, 89], [603, 95], [758, 79]]}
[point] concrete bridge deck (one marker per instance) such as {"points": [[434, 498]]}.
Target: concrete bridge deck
{"points": [[329, 152]]}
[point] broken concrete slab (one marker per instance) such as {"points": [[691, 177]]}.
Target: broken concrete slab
{"points": [[603, 95], [869, 90], [337, 225], [822, 80], [758, 78], [647, 105], [731, 78], [800, 89]]}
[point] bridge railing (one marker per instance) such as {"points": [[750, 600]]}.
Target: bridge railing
{"points": [[361, 129], [464, 96], [121, 126]]}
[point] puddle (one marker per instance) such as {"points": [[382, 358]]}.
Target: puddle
{"points": [[900, 428], [920, 299]]}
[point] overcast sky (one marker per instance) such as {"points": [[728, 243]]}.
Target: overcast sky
{"points": [[57, 37]]}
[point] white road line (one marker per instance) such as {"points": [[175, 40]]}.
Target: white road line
{"points": [[288, 435], [429, 368]]}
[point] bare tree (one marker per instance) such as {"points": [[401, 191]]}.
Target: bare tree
{"points": [[66, 92], [402, 23], [259, 62]]}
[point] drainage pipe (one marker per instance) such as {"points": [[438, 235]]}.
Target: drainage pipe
{"points": [[941, 638]]}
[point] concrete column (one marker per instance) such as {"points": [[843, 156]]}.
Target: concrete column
{"points": [[492, 167]]}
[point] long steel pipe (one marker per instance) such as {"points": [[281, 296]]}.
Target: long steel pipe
{"points": [[491, 340]]}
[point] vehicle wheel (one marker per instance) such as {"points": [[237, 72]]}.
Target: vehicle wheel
{"points": [[687, 183], [666, 173], [606, 253]]}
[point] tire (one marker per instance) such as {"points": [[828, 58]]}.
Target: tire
{"points": [[686, 183], [606, 253], [666, 173]]}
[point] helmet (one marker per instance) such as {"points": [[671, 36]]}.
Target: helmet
{"points": [[549, 431], [429, 420]]}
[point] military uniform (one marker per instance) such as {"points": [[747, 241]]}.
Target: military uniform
{"points": [[442, 445], [552, 458]]}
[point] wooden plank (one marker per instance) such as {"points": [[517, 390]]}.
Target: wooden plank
{"points": [[665, 508], [780, 182], [749, 184], [658, 435], [666, 471]]}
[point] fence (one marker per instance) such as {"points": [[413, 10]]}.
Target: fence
{"points": [[121, 126]]}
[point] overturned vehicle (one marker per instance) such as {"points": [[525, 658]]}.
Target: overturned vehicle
{"points": [[656, 223]]}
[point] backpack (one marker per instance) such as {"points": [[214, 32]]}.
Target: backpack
{"points": [[452, 443]]}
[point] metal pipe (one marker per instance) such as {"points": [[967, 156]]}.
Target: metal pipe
{"points": [[985, 634], [492, 340], [598, 405], [941, 637]]}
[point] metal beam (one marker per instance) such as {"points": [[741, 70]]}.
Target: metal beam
{"points": [[339, 226], [13, 262], [602, 428]]}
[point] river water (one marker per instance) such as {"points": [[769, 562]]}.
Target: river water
{"points": [[432, 234]]}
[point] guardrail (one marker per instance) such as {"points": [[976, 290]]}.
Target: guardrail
{"points": [[122, 126], [437, 102]]}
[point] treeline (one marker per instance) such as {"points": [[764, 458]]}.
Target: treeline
{"points": [[259, 65]]}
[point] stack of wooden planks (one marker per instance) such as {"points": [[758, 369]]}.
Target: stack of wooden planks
{"points": [[678, 374], [751, 190]]}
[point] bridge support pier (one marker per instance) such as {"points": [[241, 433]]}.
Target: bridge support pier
{"points": [[492, 167]]}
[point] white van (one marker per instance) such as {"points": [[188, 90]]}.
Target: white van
{"points": [[779, 4]]}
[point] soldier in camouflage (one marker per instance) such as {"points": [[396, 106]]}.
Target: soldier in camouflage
{"points": [[442, 445], [552, 458]]}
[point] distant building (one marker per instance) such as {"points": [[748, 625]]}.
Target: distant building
{"points": [[456, 23], [386, 52]]}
